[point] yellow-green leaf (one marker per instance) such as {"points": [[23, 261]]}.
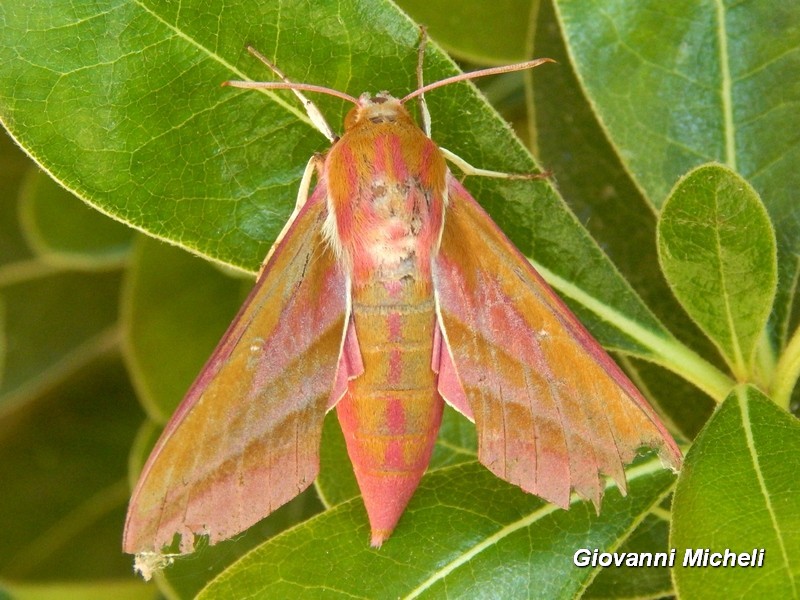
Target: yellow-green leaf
{"points": [[717, 249], [738, 491]]}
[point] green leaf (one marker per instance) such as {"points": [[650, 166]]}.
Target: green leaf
{"points": [[102, 590], [465, 534], [457, 442], [481, 32], [680, 84], [55, 322], [63, 231], [13, 166], [717, 249], [738, 490], [787, 371], [336, 482], [637, 582], [63, 464], [175, 309]]}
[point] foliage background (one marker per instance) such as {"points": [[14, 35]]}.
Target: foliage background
{"points": [[688, 273]]}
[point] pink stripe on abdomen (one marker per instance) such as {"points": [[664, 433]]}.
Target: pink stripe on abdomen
{"points": [[391, 414]]}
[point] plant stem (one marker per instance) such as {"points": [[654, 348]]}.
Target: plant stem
{"points": [[666, 350], [787, 372]]}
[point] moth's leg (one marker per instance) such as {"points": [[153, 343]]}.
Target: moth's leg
{"points": [[468, 169], [314, 164], [314, 113], [424, 114]]}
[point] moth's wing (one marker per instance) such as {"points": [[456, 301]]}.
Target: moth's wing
{"points": [[245, 440], [551, 408]]}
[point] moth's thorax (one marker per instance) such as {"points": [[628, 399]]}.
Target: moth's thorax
{"points": [[386, 185]]}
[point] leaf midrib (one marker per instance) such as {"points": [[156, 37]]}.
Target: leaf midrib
{"points": [[739, 366], [216, 57], [742, 399], [527, 520], [726, 87]]}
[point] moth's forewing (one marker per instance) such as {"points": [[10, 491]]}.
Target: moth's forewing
{"points": [[552, 409], [245, 440]]}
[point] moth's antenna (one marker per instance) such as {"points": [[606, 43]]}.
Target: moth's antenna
{"points": [[475, 74], [425, 115], [288, 85], [298, 88]]}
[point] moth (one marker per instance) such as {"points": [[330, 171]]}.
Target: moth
{"points": [[389, 293]]}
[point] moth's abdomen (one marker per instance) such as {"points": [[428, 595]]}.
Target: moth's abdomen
{"points": [[386, 193], [390, 415]]}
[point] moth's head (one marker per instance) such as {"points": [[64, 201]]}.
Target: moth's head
{"points": [[380, 108]]}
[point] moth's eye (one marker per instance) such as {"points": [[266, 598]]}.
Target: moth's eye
{"points": [[383, 118]]}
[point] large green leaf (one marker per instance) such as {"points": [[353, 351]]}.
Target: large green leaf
{"points": [[679, 84], [465, 534], [717, 249], [738, 490]]}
